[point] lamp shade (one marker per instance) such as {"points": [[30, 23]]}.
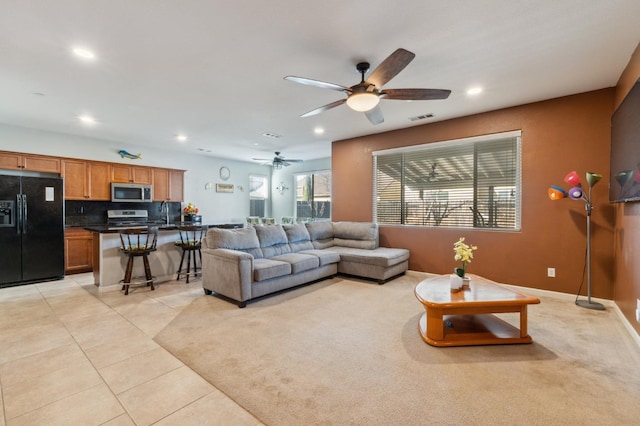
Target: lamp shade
{"points": [[572, 178], [593, 178], [556, 193], [363, 101], [576, 193]]}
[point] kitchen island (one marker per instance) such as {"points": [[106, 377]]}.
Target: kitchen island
{"points": [[109, 263]]}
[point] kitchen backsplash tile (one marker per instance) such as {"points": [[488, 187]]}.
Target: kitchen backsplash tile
{"points": [[83, 213]]}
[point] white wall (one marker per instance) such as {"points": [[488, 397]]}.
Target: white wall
{"points": [[200, 169], [283, 204]]}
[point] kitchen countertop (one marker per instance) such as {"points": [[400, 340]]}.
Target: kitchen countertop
{"points": [[110, 229]]}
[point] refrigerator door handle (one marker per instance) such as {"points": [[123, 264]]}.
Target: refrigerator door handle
{"points": [[19, 213], [24, 214]]}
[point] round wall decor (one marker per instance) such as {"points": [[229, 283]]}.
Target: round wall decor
{"points": [[225, 173]]}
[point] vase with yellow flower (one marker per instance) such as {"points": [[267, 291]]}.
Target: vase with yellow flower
{"points": [[463, 253]]}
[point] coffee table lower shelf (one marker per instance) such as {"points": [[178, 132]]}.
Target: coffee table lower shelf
{"points": [[469, 330]]}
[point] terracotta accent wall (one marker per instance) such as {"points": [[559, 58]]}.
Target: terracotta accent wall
{"points": [[558, 135], [627, 229]]}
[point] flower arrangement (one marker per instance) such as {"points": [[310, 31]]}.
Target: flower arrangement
{"points": [[191, 209], [464, 253]]}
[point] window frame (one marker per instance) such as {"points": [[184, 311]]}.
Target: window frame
{"points": [[295, 192], [265, 199], [402, 211]]}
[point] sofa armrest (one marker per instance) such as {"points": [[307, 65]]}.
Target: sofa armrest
{"points": [[227, 272]]}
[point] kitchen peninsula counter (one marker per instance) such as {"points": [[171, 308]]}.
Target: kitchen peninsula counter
{"points": [[109, 263], [110, 229]]}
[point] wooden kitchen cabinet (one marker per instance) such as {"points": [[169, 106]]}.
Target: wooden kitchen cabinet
{"points": [[176, 185], [35, 163], [86, 180], [131, 174], [78, 251], [168, 185]]}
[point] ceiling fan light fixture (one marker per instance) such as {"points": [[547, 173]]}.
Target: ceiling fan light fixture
{"points": [[277, 164], [363, 101]]}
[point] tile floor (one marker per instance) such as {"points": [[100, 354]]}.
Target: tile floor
{"points": [[72, 356]]}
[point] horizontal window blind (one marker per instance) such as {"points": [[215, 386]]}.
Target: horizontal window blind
{"points": [[463, 183]]}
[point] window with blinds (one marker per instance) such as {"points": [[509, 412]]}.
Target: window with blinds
{"points": [[465, 183]]}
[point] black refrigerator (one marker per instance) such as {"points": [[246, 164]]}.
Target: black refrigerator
{"points": [[31, 229]]}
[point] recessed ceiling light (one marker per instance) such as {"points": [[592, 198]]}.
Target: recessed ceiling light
{"points": [[83, 53], [318, 131], [87, 119], [474, 91], [181, 138]]}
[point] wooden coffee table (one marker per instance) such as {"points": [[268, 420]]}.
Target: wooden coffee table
{"points": [[464, 318]]}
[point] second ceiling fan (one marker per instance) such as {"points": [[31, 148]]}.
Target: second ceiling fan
{"points": [[279, 161], [364, 96]]}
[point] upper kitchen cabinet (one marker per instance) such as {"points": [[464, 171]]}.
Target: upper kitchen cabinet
{"points": [[35, 163], [131, 174], [86, 180], [168, 185]]}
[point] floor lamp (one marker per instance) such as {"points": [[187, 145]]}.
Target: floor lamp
{"points": [[577, 193]]}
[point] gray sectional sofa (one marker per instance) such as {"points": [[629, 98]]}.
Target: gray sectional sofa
{"points": [[243, 264]]}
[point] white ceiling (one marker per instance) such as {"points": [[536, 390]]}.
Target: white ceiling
{"points": [[214, 70]]}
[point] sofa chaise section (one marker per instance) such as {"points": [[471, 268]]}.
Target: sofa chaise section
{"points": [[357, 243]]}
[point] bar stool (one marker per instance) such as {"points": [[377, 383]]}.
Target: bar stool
{"points": [[138, 243], [190, 241]]}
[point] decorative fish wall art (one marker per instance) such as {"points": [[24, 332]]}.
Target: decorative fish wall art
{"points": [[126, 154]]}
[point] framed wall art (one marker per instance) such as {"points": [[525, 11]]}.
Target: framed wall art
{"points": [[224, 187]]}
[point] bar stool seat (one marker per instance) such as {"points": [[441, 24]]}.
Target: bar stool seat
{"points": [[190, 242], [138, 243]]}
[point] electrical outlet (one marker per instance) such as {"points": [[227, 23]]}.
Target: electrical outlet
{"points": [[551, 272], [638, 310]]}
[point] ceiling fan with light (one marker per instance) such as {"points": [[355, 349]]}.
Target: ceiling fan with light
{"points": [[279, 161], [365, 96]]}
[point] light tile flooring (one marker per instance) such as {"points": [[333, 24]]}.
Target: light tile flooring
{"points": [[72, 356]]}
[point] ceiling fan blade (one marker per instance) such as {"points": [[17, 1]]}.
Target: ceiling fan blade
{"points": [[293, 161], [317, 83], [324, 108], [415, 94], [375, 115], [261, 159], [390, 67]]}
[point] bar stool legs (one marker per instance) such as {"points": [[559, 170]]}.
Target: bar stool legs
{"points": [[138, 243], [147, 273], [190, 241], [191, 257]]}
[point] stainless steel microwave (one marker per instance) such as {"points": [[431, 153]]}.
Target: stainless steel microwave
{"points": [[131, 193]]}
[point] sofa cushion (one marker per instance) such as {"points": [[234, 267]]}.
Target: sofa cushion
{"points": [[264, 269], [321, 234], [243, 239], [382, 256], [326, 257], [273, 240], [362, 235], [298, 237], [299, 262]]}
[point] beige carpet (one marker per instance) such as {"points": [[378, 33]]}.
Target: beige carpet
{"points": [[348, 352]]}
